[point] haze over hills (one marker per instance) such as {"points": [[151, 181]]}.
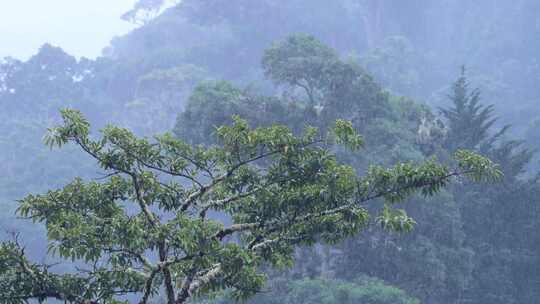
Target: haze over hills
{"points": [[418, 79]]}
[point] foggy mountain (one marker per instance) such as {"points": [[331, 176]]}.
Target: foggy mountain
{"points": [[418, 80]]}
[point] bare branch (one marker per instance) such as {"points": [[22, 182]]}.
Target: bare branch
{"points": [[191, 286], [236, 228]]}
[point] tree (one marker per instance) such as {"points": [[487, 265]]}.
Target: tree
{"points": [[159, 96], [214, 104], [503, 248], [300, 61], [329, 82], [364, 290], [335, 88], [144, 11], [470, 125], [147, 226], [469, 121], [319, 291]]}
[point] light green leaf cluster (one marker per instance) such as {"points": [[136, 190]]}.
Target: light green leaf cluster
{"points": [[346, 135], [476, 167]]}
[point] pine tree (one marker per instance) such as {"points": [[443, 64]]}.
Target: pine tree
{"points": [[468, 121]]}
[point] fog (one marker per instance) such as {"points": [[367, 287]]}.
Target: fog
{"points": [[82, 28], [270, 151]]}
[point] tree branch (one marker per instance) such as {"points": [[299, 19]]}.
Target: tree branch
{"points": [[191, 286]]}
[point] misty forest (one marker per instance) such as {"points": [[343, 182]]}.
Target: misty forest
{"points": [[278, 152]]}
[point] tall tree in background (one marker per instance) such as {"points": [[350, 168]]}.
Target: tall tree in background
{"points": [[301, 61], [471, 125], [468, 121], [502, 249]]}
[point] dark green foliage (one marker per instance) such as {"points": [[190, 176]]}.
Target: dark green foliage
{"points": [[214, 103], [332, 84], [470, 125], [302, 62], [469, 122], [279, 190], [319, 291], [337, 89], [493, 235], [471, 244], [450, 266]]}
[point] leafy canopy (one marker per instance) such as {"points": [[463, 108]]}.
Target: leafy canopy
{"points": [[321, 291], [146, 225]]}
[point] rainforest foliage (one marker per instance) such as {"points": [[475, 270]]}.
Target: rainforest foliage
{"points": [[261, 183]]}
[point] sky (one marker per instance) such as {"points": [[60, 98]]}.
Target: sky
{"points": [[80, 27]]}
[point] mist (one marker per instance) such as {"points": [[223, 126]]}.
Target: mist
{"points": [[82, 28], [270, 151]]}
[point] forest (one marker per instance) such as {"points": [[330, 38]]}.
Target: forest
{"points": [[278, 151]]}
